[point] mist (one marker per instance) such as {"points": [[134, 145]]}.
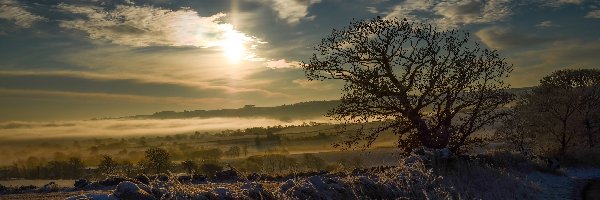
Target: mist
{"points": [[19, 130]]}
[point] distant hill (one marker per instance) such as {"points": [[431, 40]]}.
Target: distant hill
{"points": [[304, 110], [297, 111]]}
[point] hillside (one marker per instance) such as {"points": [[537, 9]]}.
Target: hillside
{"points": [[298, 111]]}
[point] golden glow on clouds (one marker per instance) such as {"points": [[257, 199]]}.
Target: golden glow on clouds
{"points": [[141, 26]]}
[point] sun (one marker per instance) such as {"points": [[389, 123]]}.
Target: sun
{"points": [[233, 46]]}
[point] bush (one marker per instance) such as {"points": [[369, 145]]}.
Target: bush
{"points": [[157, 160], [210, 169]]}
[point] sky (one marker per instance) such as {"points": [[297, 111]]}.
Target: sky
{"points": [[73, 59]]}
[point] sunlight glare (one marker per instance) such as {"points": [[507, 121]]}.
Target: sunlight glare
{"points": [[233, 46]]}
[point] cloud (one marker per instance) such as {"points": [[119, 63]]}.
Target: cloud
{"points": [[141, 26], [123, 84], [547, 24], [372, 10], [13, 11], [282, 64], [111, 97], [504, 38], [595, 14], [292, 11], [453, 13], [558, 3]]}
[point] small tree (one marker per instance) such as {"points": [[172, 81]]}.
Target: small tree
{"points": [[76, 167], [233, 151], [189, 166], [108, 165], [158, 160], [432, 88]]}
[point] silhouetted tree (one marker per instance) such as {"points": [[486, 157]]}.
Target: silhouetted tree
{"points": [[158, 160], [108, 165], [75, 167], [233, 151], [564, 107], [432, 88]]}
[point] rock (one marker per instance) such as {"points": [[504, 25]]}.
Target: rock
{"points": [[226, 175], [130, 191], [198, 178], [253, 177], [317, 182], [184, 178], [287, 185], [112, 181], [204, 196], [81, 183], [50, 187], [93, 197], [92, 186], [145, 187], [222, 193], [317, 187], [24, 189], [162, 178], [552, 163], [142, 179], [159, 192], [256, 191]]}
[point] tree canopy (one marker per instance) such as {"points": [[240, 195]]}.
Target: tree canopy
{"points": [[563, 111], [432, 88]]}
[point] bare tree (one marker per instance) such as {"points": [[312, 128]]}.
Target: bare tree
{"points": [[432, 88], [566, 106], [517, 130]]}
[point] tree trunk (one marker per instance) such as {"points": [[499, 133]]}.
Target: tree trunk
{"points": [[589, 134], [563, 141]]}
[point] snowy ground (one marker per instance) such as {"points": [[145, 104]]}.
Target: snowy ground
{"points": [[562, 186]]}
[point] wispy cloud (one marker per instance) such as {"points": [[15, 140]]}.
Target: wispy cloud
{"points": [[114, 97], [559, 3], [292, 11], [373, 10], [453, 13], [314, 84], [17, 13], [282, 64], [547, 24], [595, 14], [141, 26], [207, 88], [504, 38]]}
